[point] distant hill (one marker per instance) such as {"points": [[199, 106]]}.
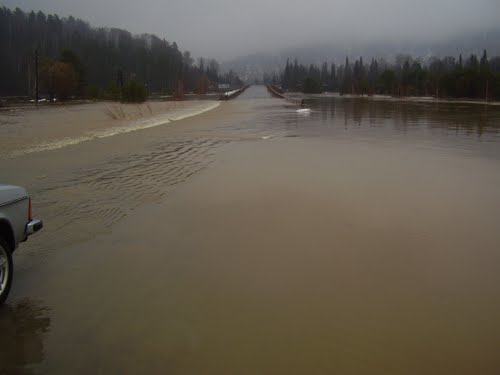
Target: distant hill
{"points": [[253, 66]]}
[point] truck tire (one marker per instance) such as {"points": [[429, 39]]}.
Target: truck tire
{"points": [[6, 270]]}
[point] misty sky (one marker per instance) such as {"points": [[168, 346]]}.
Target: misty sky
{"points": [[227, 28]]}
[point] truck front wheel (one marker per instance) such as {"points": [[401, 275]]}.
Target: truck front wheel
{"points": [[6, 270]]}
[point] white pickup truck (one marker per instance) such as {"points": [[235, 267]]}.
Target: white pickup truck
{"points": [[16, 224]]}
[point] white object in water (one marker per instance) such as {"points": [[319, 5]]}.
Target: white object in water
{"points": [[304, 110]]}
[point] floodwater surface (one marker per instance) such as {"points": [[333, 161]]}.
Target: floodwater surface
{"points": [[360, 238]]}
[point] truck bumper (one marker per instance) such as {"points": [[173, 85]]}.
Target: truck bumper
{"points": [[33, 226]]}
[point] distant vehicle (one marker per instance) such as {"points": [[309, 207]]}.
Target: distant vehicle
{"points": [[16, 224]]}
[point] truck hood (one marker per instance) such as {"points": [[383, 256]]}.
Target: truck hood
{"points": [[9, 193]]}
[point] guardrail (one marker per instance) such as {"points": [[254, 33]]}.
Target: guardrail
{"points": [[279, 93], [275, 91], [233, 94]]}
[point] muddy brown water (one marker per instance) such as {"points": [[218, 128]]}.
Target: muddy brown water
{"points": [[361, 238]]}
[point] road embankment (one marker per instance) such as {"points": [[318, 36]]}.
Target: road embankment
{"points": [[26, 130]]}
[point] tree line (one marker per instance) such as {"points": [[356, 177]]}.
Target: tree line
{"points": [[448, 77], [77, 60]]}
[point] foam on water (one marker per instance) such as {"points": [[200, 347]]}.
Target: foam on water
{"points": [[139, 124], [304, 110]]}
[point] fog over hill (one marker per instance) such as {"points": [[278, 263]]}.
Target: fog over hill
{"points": [[224, 29], [253, 66]]}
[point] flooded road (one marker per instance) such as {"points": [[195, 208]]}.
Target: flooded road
{"points": [[361, 238]]}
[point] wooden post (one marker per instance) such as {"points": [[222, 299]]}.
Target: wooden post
{"points": [[179, 91]]}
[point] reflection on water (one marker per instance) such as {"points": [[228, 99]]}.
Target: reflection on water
{"points": [[465, 127], [23, 326], [464, 118]]}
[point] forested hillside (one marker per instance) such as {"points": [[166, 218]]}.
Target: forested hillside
{"points": [[95, 58], [471, 77]]}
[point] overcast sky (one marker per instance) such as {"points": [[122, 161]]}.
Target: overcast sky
{"points": [[229, 28]]}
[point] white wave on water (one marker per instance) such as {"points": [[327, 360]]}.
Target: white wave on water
{"points": [[140, 124], [304, 110]]}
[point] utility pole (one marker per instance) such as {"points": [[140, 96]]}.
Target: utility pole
{"points": [[36, 77]]}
